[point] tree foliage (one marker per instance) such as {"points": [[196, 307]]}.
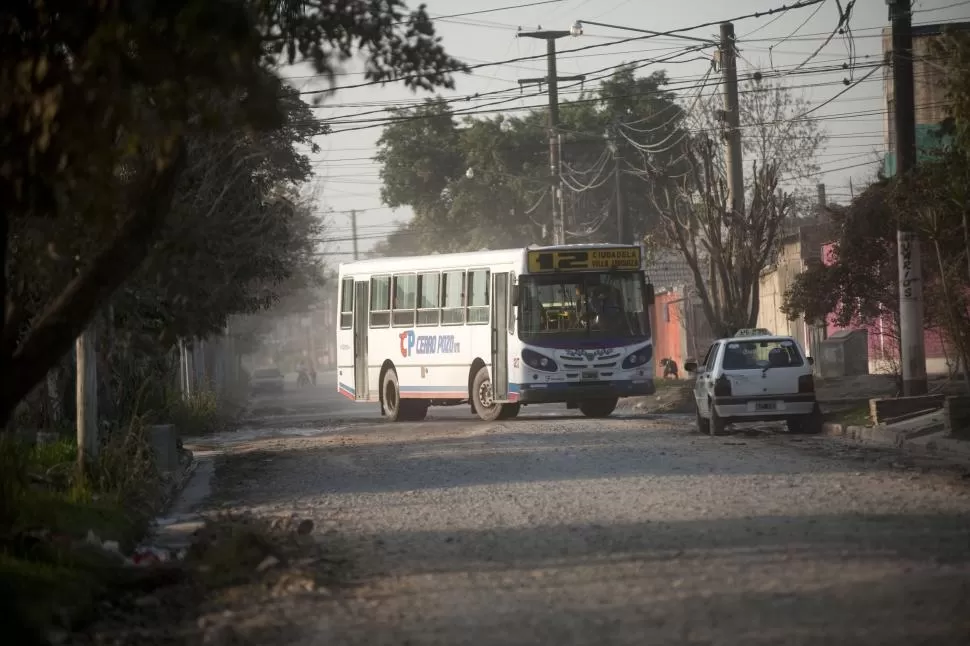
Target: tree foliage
{"points": [[426, 154], [727, 251], [857, 283], [105, 111]]}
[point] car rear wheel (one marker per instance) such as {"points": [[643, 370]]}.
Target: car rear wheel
{"points": [[703, 425], [718, 425], [810, 424]]}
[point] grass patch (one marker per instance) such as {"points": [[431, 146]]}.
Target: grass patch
{"points": [[201, 413], [50, 576], [851, 416]]}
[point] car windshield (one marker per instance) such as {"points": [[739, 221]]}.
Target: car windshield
{"points": [[267, 373], [582, 306], [762, 354]]}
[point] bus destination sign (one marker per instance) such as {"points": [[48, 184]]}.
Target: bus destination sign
{"points": [[584, 259]]}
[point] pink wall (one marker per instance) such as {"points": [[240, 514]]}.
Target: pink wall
{"points": [[668, 329], [881, 341]]}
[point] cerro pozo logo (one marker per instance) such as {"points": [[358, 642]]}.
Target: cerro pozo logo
{"points": [[407, 342], [427, 344]]}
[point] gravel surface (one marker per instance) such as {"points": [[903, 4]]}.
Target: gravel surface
{"points": [[631, 530]]}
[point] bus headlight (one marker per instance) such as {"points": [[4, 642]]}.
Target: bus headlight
{"points": [[639, 357], [538, 361]]}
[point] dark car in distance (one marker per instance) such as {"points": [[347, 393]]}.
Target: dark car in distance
{"points": [[267, 380]]}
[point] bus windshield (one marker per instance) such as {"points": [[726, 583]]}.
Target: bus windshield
{"points": [[582, 306]]}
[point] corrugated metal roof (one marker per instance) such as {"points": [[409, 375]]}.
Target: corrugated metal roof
{"points": [[669, 270]]}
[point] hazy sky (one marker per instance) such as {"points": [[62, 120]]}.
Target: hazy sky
{"points": [[347, 177]]}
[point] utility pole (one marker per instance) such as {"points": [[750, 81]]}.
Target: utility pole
{"points": [[911, 348], [621, 237], [353, 228], [732, 119], [86, 402], [822, 202], [555, 153]]}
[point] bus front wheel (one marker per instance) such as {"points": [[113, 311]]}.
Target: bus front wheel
{"points": [[598, 407], [482, 400]]}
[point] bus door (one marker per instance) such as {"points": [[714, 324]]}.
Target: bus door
{"points": [[500, 335], [361, 319]]}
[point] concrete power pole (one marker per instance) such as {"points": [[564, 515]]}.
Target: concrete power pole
{"points": [[732, 119], [911, 348], [555, 158], [86, 401], [353, 228]]}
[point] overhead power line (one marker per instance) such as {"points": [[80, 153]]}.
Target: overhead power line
{"points": [[757, 14], [477, 12]]}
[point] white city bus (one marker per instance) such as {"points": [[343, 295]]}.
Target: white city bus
{"points": [[496, 330]]}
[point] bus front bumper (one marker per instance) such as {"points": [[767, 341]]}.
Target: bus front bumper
{"points": [[554, 393]]}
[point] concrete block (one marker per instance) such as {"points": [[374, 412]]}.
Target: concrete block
{"points": [[956, 417], [881, 410], [164, 441]]}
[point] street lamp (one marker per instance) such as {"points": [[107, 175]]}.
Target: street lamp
{"points": [[577, 28]]}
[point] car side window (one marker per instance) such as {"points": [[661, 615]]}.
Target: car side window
{"points": [[711, 357]]}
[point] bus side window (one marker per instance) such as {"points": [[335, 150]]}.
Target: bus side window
{"points": [[429, 296], [346, 303], [405, 300], [380, 301], [452, 305], [478, 296]]}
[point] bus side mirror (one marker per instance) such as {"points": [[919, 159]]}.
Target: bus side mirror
{"points": [[649, 295]]}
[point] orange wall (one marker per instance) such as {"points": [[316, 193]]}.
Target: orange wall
{"points": [[668, 330]]}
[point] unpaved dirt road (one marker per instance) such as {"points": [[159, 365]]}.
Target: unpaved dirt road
{"points": [[633, 530]]}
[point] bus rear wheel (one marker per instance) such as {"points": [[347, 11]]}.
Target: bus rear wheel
{"points": [[391, 397], [397, 409], [482, 401], [598, 407]]}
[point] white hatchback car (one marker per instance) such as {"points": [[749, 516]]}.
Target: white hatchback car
{"points": [[755, 379]]}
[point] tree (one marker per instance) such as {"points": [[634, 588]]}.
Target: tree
{"points": [[238, 231], [98, 102], [484, 183], [860, 283], [727, 251]]}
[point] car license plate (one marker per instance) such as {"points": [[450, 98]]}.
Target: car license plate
{"points": [[590, 375], [765, 405]]}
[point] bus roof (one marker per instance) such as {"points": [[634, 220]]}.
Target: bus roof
{"points": [[486, 258], [434, 261]]}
